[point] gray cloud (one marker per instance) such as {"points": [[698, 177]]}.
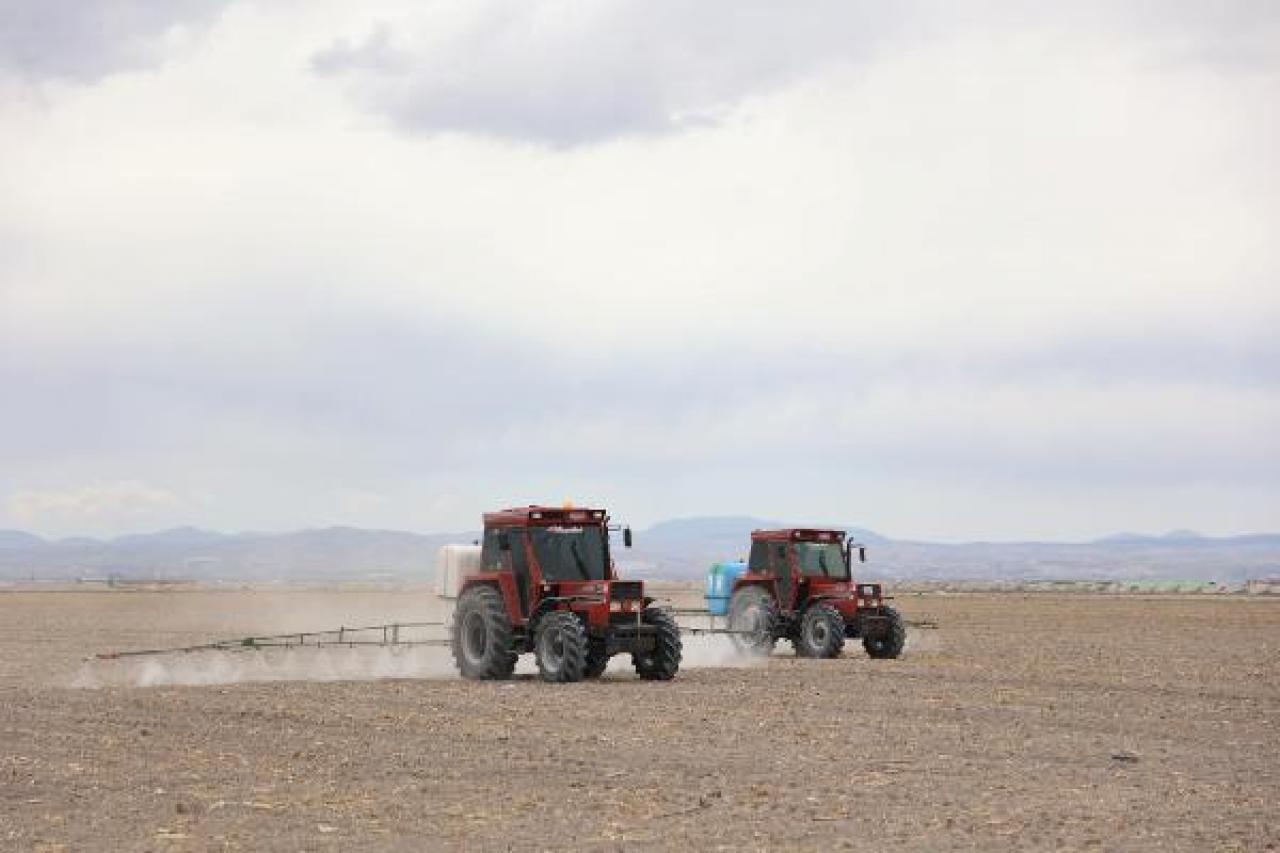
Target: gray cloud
{"points": [[1034, 302], [363, 418], [84, 40], [1239, 35], [374, 54], [392, 396], [537, 72]]}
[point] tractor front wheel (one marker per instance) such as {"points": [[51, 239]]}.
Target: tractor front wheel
{"points": [[481, 641], [560, 644], [821, 633], [753, 617], [662, 662], [888, 641]]}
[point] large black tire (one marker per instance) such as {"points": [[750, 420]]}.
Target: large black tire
{"points": [[560, 643], [663, 661], [821, 633], [481, 641], [753, 610], [887, 643], [597, 659]]}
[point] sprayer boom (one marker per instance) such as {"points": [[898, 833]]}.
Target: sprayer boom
{"points": [[395, 634]]}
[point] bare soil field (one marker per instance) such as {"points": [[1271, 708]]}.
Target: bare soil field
{"points": [[1023, 722]]}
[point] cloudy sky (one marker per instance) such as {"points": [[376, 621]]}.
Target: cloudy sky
{"points": [[983, 270]]}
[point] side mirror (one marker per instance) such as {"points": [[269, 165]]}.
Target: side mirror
{"points": [[504, 541], [626, 537], [862, 554]]}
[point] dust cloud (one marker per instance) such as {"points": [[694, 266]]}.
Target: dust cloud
{"points": [[370, 664], [239, 667], [711, 651], [204, 668]]}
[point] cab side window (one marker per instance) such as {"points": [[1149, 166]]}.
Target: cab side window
{"points": [[490, 552], [759, 559], [520, 567]]}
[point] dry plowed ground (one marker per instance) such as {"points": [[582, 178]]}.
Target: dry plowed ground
{"points": [[1023, 722]]}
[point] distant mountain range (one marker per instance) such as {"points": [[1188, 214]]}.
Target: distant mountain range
{"points": [[684, 548], [679, 548], [333, 553]]}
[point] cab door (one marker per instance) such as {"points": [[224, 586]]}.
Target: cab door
{"points": [[780, 564], [504, 551], [519, 557]]}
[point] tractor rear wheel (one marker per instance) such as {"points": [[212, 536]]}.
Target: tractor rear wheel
{"points": [[887, 642], [662, 662], [753, 611], [597, 659], [821, 633], [560, 644], [481, 641]]}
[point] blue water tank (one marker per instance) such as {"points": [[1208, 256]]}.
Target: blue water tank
{"points": [[720, 578]]}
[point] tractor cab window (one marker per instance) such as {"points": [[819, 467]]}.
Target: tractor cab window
{"points": [[491, 558], [768, 558], [491, 551], [571, 553], [821, 559]]}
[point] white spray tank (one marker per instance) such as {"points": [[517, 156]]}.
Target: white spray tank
{"points": [[453, 564]]}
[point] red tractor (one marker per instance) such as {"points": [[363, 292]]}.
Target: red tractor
{"points": [[797, 585], [547, 585]]}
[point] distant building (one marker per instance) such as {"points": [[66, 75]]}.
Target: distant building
{"points": [[1263, 586]]}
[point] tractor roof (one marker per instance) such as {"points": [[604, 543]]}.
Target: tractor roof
{"points": [[798, 534], [537, 516]]}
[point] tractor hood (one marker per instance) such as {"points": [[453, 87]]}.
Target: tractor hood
{"points": [[611, 590]]}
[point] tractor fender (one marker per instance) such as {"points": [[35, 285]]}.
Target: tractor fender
{"points": [[504, 584], [550, 603], [473, 582], [849, 619], [769, 585], [766, 583]]}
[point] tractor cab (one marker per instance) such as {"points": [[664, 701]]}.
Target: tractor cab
{"points": [[803, 563], [547, 584], [545, 553], [798, 585]]}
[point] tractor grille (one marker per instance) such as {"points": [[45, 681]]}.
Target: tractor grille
{"points": [[626, 590]]}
